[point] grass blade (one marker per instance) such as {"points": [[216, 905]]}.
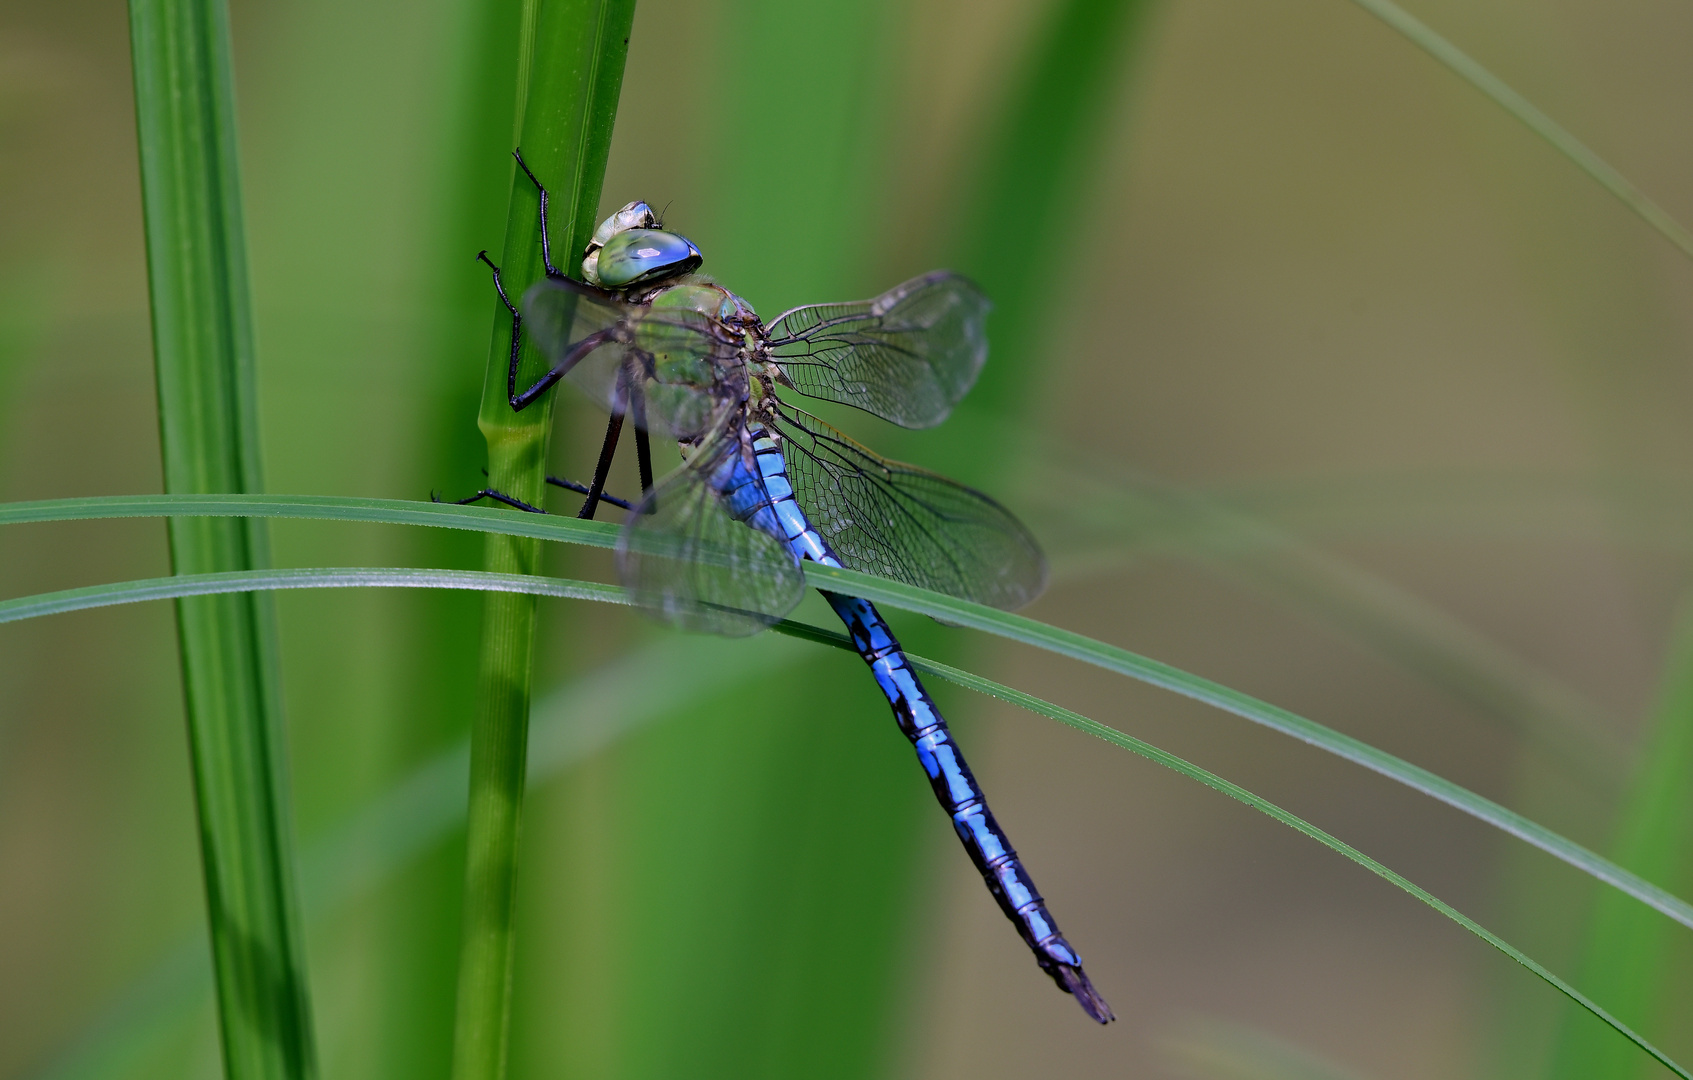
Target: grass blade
{"points": [[570, 72], [160, 588], [203, 354], [1627, 953], [1078, 647], [1234, 791], [961, 612], [1465, 67]]}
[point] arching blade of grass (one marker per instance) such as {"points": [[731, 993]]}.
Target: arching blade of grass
{"points": [[570, 73], [1114, 518], [203, 357], [961, 612], [163, 588], [1466, 68], [1066, 643], [1627, 953]]}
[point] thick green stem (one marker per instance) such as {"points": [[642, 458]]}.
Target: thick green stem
{"points": [[572, 59], [203, 351]]}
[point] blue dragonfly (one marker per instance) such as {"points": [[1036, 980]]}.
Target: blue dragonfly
{"points": [[718, 544]]}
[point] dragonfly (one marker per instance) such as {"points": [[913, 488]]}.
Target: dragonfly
{"points": [[764, 486]]}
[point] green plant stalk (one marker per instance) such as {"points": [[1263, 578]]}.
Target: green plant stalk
{"points": [[571, 59], [1628, 951], [203, 354], [883, 591], [564, 587]]}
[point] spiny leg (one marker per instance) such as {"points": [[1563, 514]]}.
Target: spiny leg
{"points": [[521, 401], [546, 245], [582, 489], [516, 325], [572, 357], [596, 491], [497, 496]]}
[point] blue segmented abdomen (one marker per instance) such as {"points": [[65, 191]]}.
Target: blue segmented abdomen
{"points": [[763, 498]]}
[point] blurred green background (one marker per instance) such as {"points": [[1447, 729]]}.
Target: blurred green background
{"points": [[1316, 373]]}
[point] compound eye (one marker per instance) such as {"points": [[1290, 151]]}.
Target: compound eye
{"points": [[640, 256]]}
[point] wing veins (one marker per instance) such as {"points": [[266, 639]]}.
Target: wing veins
{"points": [[897, 498]]}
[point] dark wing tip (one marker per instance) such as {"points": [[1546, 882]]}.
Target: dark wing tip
{"points": [[1073, 980]]}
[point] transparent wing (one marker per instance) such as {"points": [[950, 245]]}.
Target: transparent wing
{"points": [[907, 356], [674, 366], [689, 563], [906, 523]]}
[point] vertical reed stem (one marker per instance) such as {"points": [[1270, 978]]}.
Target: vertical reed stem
{"points": [[573, 53], [203, 354]]}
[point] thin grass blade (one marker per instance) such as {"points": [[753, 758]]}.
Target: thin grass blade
{"points": [[1004, 624], [1465, 67], [160, 588]]}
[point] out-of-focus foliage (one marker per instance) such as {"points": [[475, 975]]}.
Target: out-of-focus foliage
{"points": [[1328, 382]]}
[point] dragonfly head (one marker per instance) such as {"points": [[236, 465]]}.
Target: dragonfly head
{"points": [[627, 250]]}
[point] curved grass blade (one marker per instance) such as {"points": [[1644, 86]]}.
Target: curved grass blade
{"points": [[1465, 67], [1107, 518], [1078, 647], [243, 581], [961, 612], [1235, 791], [316, 508], [189, 585]]}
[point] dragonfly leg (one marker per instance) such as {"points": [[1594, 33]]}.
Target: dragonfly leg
{"points": [[497, 496], [643, 448], [521, 401], [546, 245], [582, 489], [608, 449], [516, 323]]}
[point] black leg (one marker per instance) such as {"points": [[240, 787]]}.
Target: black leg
{"points": [[608, 449], [546, 246], [582, 489], [516, 327], [497, 496], [582, 348], [643, 450]]}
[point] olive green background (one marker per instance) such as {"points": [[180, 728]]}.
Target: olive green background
{"points": [[1317, 374]]}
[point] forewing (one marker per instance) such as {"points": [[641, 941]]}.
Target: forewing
{"points": [[689, 563], [906, 523], [907, 356], [676, 365]]}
